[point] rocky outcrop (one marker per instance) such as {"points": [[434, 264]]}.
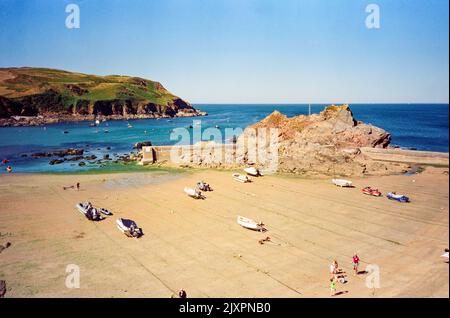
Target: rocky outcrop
{"points": [[327, 143], [321, 144]]}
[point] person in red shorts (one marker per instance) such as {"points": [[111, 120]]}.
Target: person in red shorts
{"points": [[355, 263]]}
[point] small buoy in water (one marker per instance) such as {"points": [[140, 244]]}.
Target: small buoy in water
{"points": [[66, 132]]}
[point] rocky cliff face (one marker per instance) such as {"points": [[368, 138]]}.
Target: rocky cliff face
{"points": [[60, 94]]}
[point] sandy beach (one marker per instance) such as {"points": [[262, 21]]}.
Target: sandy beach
{"points": [[198, 246]]}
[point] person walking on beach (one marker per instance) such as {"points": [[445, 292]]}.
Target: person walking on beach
{"points": [[78, 186], [332, 287], [333, 269], [355, 263]]}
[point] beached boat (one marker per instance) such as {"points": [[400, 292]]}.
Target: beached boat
{"points": [[397, 197], [342, 182], [445, 255], [253, 171], [129, 228], [203, 186], [240, 178], [89, 211], [193, 193], [370, 191], [249, 224]]}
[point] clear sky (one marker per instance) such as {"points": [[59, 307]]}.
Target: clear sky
{"points": [[243, 51]]}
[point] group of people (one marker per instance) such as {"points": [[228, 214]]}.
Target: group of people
{"points": [[8, 168], [334, 272]]}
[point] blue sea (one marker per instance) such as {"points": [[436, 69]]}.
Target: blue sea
{"points": [[413, 126]]}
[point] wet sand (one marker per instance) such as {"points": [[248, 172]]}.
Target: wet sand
{"points": [[197, 244]]}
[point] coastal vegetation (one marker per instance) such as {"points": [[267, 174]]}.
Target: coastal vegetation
{"points": [[56, 95]]}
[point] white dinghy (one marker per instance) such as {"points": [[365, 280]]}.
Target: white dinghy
{"points": [[250, 224], [342, 182], [240, 178], [129, 228], [89, 211], [252, 171], [193, 193]]}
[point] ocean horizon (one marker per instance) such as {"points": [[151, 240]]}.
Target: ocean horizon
{"points": [[412, 126]]}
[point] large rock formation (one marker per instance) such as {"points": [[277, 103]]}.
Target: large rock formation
{"points": [[59, 95], [321, 144], [326, 143]]}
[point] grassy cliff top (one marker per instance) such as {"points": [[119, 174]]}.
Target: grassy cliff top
{"points": [[25, 81]]}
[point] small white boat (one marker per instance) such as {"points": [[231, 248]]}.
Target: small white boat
{"points": [[193, 193], [129, 228], [89, 211], [241, 178], [342, 182], [253, 171], [249, 224]]}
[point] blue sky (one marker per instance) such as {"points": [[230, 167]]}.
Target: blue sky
{"points": [[243, 51]]}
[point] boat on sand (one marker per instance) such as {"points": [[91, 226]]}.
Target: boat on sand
{"points": [[342, 182], [89, 211], [129, 228], [250, 224], [397, 197], [193, 193], [203, 186], [371, 191], [241, 178], [252, 171]]}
